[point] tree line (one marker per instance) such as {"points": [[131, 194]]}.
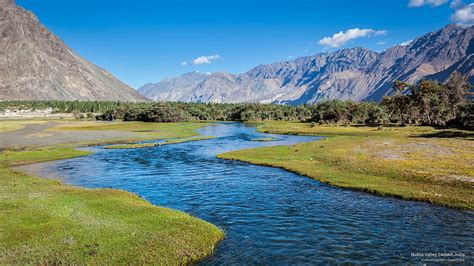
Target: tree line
{"points": [[67, 106], [426, 103], [432, 103]]}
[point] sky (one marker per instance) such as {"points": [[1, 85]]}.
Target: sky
{"points": [[142, 41]]}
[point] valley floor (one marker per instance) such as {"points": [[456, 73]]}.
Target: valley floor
{"points": [[413, 163], [43, 221]]}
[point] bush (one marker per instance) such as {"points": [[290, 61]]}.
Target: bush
{"points": [[348, 112]]}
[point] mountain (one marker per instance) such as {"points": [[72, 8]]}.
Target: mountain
{"points": [[356, 74], [173, 89], [36, 65]]}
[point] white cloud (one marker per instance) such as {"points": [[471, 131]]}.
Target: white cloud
{"points": [[341, 38], [433, 3], [464, 13], [205, 59], [381, 43], [289, 57], [455, 4], [184, 63]]}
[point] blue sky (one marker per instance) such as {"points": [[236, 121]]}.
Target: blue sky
{"points": [[143, 41]]}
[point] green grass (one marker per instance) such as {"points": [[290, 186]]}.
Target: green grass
{"points": [[131, 146], [11, 125], [141, 130], [43, 221], [147, 145], [140, 127], [264, 139], [397, 162]]}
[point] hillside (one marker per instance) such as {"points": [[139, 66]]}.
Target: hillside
{"points": [[36, 65]]}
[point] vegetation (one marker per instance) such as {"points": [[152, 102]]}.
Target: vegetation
{"points": [[132, 146], [67, 106], [401, 162], [432, 103], [426, 103], [141, 130], [147, 145], [43, 221], [348, 112], [177, 112], [12, 125], [264, 139]]}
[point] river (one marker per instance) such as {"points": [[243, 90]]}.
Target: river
{"points": [[272, 216]]}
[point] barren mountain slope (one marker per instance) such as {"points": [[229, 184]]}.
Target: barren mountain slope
{"points": [[356, 74], [36, 65]]}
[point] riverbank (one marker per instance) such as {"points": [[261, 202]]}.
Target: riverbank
{"points": [[412, 163], [43, 221], [73, 133]]}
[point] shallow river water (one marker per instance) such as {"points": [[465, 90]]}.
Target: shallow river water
{"points": [[272, 216]]}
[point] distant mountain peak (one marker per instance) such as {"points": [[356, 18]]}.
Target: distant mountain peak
{"points": [[181, 85], [196, 72], [453, 26]]}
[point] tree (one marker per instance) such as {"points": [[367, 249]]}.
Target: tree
{"points": [[399, 86], [455, 92]]}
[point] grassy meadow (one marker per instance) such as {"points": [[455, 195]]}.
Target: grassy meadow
{"points": [[413, 163], [17, 124], [143, 130], [43, 221]]}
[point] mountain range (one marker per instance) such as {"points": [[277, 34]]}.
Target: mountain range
{"points": [[357, 74], [36, 65]]}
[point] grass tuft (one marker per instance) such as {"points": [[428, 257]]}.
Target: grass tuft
{"points": [[264, 139]]}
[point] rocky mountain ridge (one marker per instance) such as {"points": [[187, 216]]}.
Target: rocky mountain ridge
{"points": [[356, 74]]}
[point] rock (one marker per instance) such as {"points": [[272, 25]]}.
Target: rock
{"points": [[36, 65]]}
